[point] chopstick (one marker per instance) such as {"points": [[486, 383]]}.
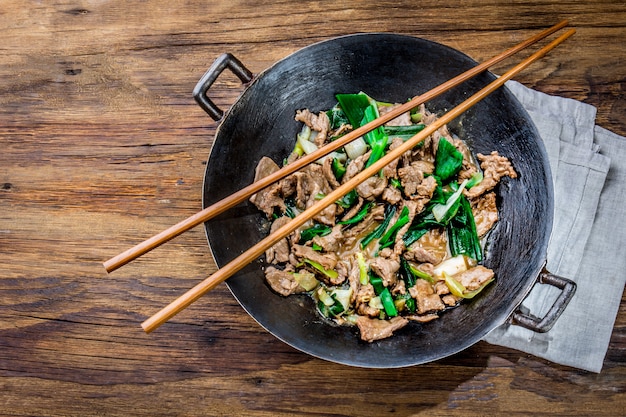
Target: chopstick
{"points": [[257, 250], [243, 194]]}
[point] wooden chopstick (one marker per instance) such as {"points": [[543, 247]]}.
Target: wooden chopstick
{"points": [[258, 249], [243, 194]]}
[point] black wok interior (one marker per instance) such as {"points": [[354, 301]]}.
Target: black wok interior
{"points": [[395, 68]]}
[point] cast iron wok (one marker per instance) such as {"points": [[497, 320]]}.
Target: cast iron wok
{"points": [[392, 68]]}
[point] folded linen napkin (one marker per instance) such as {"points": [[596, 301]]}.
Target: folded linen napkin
{"points": [[589, 172]]}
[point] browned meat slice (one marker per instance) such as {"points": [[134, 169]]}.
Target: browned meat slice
{"points": [[391, 195], [363, 297], [355, 166], [386, 268], [485, 212], [270, 198], [430, 248], [282, 282], [327, 169], [475, 277], [423, 318], [424, 192], [280, 251], [426, 299], [311, 184], [391, 169], [319, 123], [419, 254], [327, 260], [372, 187], [450, 300], [332, 241], [376, 329], [410, 177], [494, 168], [403, 120]]}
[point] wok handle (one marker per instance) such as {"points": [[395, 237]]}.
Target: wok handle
{"points": [[542, 325], [206, 81]]}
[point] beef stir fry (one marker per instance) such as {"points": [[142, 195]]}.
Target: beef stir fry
{"points": [[406, 244]]}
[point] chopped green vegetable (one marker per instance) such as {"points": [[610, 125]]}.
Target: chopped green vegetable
{"points": [[388, 304], [349, 199], [389, 237], [410, 273], [353, 106], [317, 229], [420, 226], [339, 169], [306, 280], [359, 216], [363, 276], [337, 117], [462, 235], [378, 232], [330, 273], [448, 160], [404, 132], [459, 290], [376, 139], [377, 283], [476, 179], [444, 212]]}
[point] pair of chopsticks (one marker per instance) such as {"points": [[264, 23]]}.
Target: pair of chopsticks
{"points": [[257, 250]]}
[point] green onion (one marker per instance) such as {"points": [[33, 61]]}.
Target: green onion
{"points": [[359, 216], [459, 290], [444, 212], [317, 229], [377, 283], [330, 273], [388, 304], [462, 235], [348, 200], [363, 277], [404, 132], [338, 168], [390, 236], [378, 232], [448, 160]]}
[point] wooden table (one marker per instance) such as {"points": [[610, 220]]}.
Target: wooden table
{"points": [[103, 146]]}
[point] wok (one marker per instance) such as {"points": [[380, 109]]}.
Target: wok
{"points": [[394, 68]]}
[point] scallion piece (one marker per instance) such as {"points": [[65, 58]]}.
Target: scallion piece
{"points": [[448, 160]]}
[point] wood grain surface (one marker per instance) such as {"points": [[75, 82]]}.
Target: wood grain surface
{"points": [[102, 146]]}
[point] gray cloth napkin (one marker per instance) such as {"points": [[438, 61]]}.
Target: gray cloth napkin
{"points": [[589, 172]]}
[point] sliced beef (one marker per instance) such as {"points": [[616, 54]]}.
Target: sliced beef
{"points": [[403, 120], [282, 281], [387, 269], [376, 329], [269, 199], [355, 166], [327, 260], [278, 253], [425, 318], [327, 169], [485, 212], [331, 242], [475, 277], [494, 168], [319, 123], [426, 299], [391, 195], [410, 177], [372, 187]]}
